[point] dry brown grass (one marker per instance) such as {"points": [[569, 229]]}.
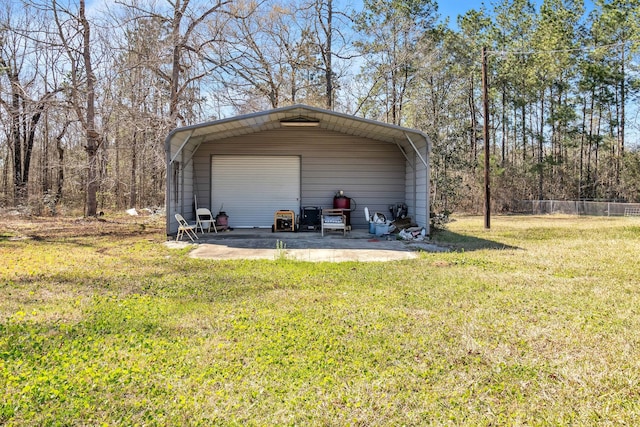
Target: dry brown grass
{"points": [[54, 228]]}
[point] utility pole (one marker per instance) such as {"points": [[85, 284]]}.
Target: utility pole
{"points": [[485, 105]]}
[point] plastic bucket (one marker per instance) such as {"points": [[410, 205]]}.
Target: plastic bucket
{"points": [[382, 229]]}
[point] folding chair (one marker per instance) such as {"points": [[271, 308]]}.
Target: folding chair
{"points": [[204, 219], [185, 228]]}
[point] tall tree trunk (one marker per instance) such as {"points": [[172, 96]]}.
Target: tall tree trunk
{"points": [[515, 136], [134, 165], [504, 127], [523, 116], [60, 166], [555, 138], [44, 167], [590, 138], [329, 56], [473, 123], [22, 133], [30, 141], [19, 185], [5, 174], [175, 63], [118, 179], [582, 134], [92, 137], [621, 118], [540, 149], [596, 160]]}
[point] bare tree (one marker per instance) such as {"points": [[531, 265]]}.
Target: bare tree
{"points": [[138, 110], [193, 32], [330, 26], [257, 73], [28, 95], [74, 38], [280, 53], [325, 12], [187, 41]]}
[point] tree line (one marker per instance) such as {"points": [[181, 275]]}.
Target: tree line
{"points": [[89, 90]]}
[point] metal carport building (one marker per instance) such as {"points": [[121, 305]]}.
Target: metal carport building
{"points": [[283, 159]]}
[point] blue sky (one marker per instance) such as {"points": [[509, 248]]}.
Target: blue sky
{"points": [[453, 8]]}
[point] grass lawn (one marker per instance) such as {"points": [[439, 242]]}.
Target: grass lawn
{"points": [[534, 322]]}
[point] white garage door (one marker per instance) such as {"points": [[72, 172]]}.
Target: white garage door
{"points": [[250, 189]]}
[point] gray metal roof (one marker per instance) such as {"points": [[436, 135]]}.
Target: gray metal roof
{"points": [[272, 119]]}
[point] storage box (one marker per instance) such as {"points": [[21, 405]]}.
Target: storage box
{"points": [[309, 218]]}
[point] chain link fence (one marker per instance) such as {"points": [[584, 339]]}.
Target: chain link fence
{"points": [[578, 207]]}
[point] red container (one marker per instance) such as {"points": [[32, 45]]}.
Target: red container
{"points": [[222, 221], [344, 203]]}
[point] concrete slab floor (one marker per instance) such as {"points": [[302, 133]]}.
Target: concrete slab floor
{"points": [[357, 245]]}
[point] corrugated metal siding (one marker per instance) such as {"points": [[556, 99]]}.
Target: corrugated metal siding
{"points": [[371, 172], [185, 185], [416, 194], [250, 189], [410, 185], [186, 203], [422, 200]]}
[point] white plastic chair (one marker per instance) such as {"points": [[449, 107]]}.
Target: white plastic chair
{"points": [[204, 219], [185, 228]]}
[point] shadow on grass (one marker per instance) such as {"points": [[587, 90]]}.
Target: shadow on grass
{"points": [[5, 237], [463, 242]]}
